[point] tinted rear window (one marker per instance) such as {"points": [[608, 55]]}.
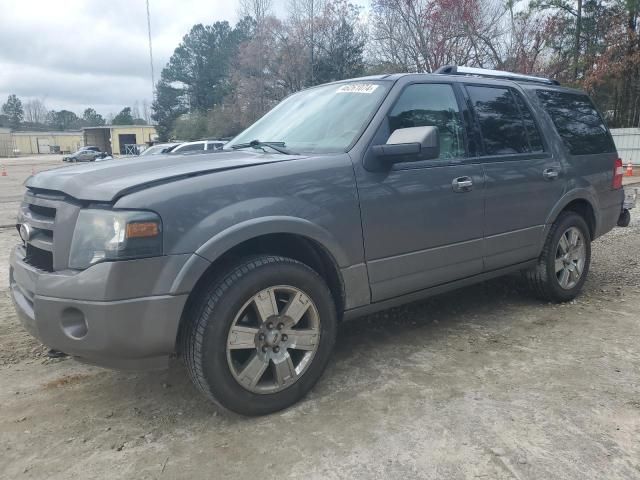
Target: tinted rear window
{"points": [[578, 122]]}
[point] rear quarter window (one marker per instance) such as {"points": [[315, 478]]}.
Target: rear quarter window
{"points": [[577, 122]]}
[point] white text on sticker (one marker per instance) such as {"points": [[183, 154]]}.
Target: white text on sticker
{"points": [[357, 88]]}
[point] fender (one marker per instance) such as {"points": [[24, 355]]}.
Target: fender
{"points": [[225, 240], [585, 194]]}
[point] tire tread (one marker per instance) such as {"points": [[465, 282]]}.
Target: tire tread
{"points": [[538, 278]]}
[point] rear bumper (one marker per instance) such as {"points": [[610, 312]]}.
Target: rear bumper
{"points": [[133, 333], [610, 209]]}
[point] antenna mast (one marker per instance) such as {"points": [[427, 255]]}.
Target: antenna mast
{"points": [[153, 80]]}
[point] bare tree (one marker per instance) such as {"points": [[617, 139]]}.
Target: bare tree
{"points": [[146, 111], [35, 111], [303, 18], [260, 12], [135, 111], [422, 35], [256, 9]]}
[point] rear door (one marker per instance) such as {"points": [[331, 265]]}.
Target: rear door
{"points": [[421, 227], [523, 180]]}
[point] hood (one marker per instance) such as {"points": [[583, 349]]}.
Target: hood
{"points": [[106, 181]]}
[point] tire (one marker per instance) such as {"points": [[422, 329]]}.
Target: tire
{"points": [[226, 313], [625, 218], [545, 280]]}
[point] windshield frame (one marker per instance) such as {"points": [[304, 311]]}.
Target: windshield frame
{"points": [[383, 82]]}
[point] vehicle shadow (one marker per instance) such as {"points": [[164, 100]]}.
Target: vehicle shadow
{"points": [[168, 397], [412, 327], [437, 312]]}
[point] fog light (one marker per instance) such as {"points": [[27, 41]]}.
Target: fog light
{"points": [[74, 324]]}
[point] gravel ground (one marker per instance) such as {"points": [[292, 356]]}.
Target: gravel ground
{"points": [[484, 382]]}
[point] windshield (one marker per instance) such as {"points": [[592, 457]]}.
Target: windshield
{"points": [[324, 119]]}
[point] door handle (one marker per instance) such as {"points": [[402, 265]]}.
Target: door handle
{"points": [[550, 173], [462, 184]]}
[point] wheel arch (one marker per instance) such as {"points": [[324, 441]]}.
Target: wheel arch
{"points": [[302, 248], [583, 208], [582, 202]]}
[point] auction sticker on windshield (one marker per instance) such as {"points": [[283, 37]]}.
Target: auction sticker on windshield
{"points": [[358, 88]]}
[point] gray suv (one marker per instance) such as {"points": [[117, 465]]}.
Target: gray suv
{"points": [[345, 199]]}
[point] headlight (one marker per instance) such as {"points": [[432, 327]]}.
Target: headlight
{"points": [[105, 235]]}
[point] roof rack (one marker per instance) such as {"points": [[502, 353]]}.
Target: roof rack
{"points": [[483, 72]]}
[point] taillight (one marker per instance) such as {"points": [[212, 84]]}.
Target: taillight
{"points": [[618, 173]]}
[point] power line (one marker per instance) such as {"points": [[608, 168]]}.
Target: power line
{"points": [[153, 81]]}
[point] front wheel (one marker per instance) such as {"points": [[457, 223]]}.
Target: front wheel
{"points": [[259, 337], [564, 262]]}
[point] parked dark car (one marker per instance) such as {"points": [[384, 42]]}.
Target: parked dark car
{"points": [[345, 199], [84, 154]]}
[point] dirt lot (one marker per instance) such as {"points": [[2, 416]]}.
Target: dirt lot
{"points": [[485, 382]]}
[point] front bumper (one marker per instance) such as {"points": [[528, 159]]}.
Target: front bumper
{"points": [[86, 314]]}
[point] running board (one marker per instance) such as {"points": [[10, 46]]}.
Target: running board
{"points": [[437, 290]]}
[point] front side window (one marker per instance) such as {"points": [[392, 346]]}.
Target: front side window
{"points": [[324, 119], [431, 105], [501, 125], [577, 121]]}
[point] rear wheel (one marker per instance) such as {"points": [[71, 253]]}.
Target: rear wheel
{"points": [[260, 336], [625, 218], [564, 262]]}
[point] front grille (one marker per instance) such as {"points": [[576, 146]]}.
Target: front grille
{"points": [[38, 211], [47, 212], [41, 259]]}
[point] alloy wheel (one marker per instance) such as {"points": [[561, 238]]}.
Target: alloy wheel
{"points": [[571, 256], [273, 339]]}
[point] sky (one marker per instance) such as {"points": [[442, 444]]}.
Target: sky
{"points": [[74, 54]]}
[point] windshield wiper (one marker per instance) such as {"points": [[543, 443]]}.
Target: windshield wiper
{"points": [[277, 146]]}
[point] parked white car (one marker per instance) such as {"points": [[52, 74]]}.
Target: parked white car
{"points": [[199, 146], [160, 148]]}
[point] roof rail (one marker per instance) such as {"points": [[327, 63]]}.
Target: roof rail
{"points": [[483, 72]]}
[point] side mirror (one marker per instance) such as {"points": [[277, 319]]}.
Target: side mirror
{"points": [[410, 145]]}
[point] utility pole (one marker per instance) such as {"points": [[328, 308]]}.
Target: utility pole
{"points": [[312, 44], [577, 45], [153, 80]]}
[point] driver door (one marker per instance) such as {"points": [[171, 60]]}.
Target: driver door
{"points": [[421, 228]]}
